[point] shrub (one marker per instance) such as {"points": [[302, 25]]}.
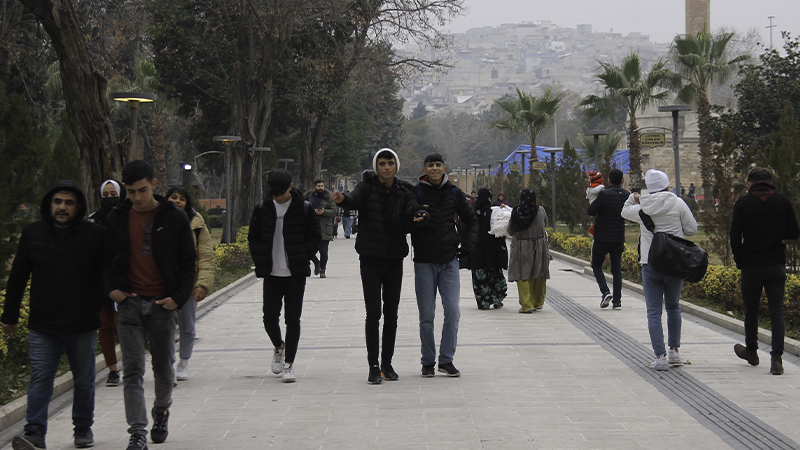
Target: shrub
{"points": [[14, 361], [215, 221], [631, 269], [233, 257]]}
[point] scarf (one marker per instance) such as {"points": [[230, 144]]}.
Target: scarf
{"points": [[762, 189], [483, 203], [523, 215]]}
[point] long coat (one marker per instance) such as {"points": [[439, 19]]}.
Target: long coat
{"points": [[530, 253], [490, 252]]}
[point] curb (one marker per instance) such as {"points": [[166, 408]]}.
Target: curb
{"points": [[765, 336], [15, 411]]}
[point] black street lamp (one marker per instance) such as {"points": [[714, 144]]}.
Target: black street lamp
{"points": [[133, 99], [260, 151], [596, 135], [228, 141], [502, 173], [553, 152], [675, 109], [524, 167]]}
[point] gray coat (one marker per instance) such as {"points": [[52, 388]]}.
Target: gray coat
{"points": [[529, 251]]}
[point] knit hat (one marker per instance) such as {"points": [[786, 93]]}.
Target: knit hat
{"points": [[595, 178], [375, 159], [656, 180]]}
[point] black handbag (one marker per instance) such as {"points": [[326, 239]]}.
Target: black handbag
{"points": [[675, 256]]}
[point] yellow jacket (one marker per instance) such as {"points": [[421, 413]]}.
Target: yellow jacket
{"points": [[205, 254]]}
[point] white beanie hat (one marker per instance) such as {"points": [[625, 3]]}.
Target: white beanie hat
{"points": [[375, 159], [656, 180]]}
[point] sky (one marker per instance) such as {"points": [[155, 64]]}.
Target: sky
{"points": [[654, 18]]}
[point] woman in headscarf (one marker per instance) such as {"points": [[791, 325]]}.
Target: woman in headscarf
{"points": [[488, 259], [529, 263], [501, 199]]}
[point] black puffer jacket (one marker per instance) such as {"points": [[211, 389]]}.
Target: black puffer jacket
{"points": [[301, 236], [173, 249], [65, 273], [439, 242], [609, 226], [385, 217]]}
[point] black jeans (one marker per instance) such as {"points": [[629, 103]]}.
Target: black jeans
{"points": [[279, 291], [323, 255], [599, 251], [381, 275], [772, 279]]}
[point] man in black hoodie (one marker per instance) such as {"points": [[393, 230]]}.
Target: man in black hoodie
{"points": [[61, 254], [762, 220], [148, 270]]}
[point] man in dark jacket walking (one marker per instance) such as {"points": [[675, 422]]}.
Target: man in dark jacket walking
{"points": [[437, 246], [609, 237], [325, 209], [284, 235], [762, 220], [149, 270], [61, 255], [386, 206]]}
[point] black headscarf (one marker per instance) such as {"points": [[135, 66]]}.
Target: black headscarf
{"points": [[523, 215], [483, 203]]}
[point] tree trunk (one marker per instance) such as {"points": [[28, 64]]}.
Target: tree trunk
{"points": [[635, 156], [159, 156], [311, 155], [704, 149], [101, 157]]}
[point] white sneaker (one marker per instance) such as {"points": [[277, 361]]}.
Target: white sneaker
{"points": [[660, 363], [277, 360], [675, 358], [288, 374], [182, 370]]}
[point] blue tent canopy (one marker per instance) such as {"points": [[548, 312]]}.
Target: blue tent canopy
{"points": [[620, 159]]}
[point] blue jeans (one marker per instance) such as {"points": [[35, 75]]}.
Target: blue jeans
{"points": [[45, 353], [428, 279], [660, 289], [186, 321], [347, 224], [138, 318]]}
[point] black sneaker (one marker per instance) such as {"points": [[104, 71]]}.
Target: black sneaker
{"points": [[159, 431], [607, 297], [316, 268], [322, 273], [29, 440], [449, 369], [617, 305], [427, 371], [83, 437], [113, 378], [388, 373], [138, 442], [375, 375]]}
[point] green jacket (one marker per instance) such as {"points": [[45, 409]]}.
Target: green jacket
{"points": [[326, 218]]}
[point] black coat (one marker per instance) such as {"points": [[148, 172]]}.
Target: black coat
{"points": [[609, 225], [490, 251], [173, 250], [759, 228], [439, 241], [385, 217], [301, 236], [65, 273]]}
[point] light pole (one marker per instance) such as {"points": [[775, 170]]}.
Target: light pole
{"points": [[596, 135], [285, 162], [227, 141], [475, 181], [674, 109], [553, 152], [502, 172], [260, 151], [133, 99], [489, 176], [523, 153], [187, 170]]}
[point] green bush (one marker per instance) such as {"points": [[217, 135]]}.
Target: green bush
{"points": [[233, 257], [14, 361], [215, 221]]}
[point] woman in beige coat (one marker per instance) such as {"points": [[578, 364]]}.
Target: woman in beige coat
{"points": [[529, 260]]}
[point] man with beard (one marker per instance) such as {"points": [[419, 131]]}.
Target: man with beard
{"points": [[62, 255], [325, 208]]}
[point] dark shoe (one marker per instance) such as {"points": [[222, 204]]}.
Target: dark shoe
{"points": [[322, 274], [113, 378], [498, 305], [388, 373], [138, 442], [83, 437], [316, 268], [449, 369], [607, 297], [347, 237], [427, 371], [29, 440], [159, 431], [375, 375], [750, 356], [617, 305], [776, 368]]}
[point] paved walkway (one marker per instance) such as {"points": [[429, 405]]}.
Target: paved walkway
{"points": [[571, 376]]}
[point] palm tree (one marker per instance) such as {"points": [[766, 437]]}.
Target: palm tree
{"points": [[627, 88], [701, 60], [606, 146], [529, 115]]}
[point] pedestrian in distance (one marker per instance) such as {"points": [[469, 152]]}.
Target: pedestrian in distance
{"points": [[149, 271], [529, 261], [284, 235], [488, 259], [437, 247], [762, 220], [609, 237], [388, 207], [325, 208], [61, 254], [669, 214], [501, 199], [204, 278]]}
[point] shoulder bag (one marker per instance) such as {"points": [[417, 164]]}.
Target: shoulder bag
{"points": [[675, 256]]}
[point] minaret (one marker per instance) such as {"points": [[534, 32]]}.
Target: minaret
{"points": [[698, 15]]}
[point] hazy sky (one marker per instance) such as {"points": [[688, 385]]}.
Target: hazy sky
{"points": [[655, 18]]}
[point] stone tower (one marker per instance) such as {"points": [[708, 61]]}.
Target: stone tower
{"points": [[698, 15]]}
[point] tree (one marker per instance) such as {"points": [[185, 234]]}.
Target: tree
{"points": [[702, 60], [419, 112], [529, 115], [606, 146], [570, 190], [626, 87]]}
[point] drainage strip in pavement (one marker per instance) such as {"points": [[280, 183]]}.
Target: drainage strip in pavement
{"points": [[734, 425]]}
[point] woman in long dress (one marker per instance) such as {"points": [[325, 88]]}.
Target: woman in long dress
{"points": [[529, 262], [488, 259]]}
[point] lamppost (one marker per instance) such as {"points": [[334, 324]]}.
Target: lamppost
{"points": [[475, 181], [260, 151], [489, 176], [227, 141], [502, 172], [187, 170], [674, 109], [133, 99], [596, 135], [285, 162], [553, 152], [524, 167]]}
